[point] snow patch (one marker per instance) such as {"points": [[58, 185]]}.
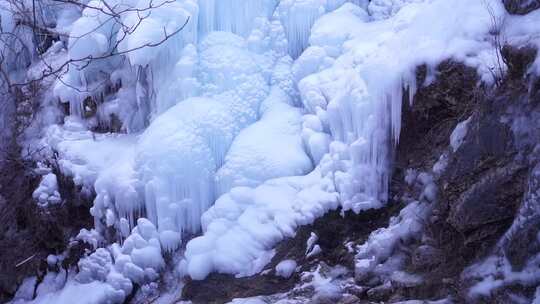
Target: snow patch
{"points": [[459, 133], [285, 268]]}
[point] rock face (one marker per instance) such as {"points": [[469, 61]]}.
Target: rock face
{"points": [[521, 7], [490, 201], [427, 125], [486, 178], [426, 256], [518, 59], [436, 110]]}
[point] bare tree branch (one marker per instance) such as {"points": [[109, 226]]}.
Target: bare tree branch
{"points": [[29, 17]]}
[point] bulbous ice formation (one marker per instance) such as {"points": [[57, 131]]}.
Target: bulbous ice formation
{"points": [[181, 151]]}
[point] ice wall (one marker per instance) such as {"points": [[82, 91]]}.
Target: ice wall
{"points": [[219, 100], [250, 94]]}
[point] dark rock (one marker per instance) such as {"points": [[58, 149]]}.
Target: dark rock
{"points": [[220, 288], [518, 59], [426, 256], [493, 198], [534, 90], [485, 180], [452, 96], [356, 290], [368, 279], [521, 7], [349, 299], [30, 231], [521, 245], [381, 292], [436, 109], [89, 107], [487, 141]]}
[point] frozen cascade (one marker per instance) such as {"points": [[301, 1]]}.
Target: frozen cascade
{"points": [[202, 107], [194, 135], [298, 16], [171, 179]]}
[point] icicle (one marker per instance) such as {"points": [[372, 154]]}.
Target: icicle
{"points": [[235, 16], [297, 17], [334, 4]]}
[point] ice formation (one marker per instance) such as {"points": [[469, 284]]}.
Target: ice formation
{"points": [[459, 133], [376, 251], [257, 117], [285, 268], [47, 191], [251, 161]]}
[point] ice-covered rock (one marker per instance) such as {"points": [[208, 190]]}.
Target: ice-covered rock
{"points": [[381, 243], [285, 268], [47, 191], [459, 133]]}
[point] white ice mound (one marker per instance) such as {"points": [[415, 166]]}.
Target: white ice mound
{"points": [[255, 220], [270, 148], [180, 152], [178, 156]]}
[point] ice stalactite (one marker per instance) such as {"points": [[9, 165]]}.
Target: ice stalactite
{"points": [[178, 177], [363, 124], [235, 16], [90, 37], [155, 88], [151, 68], [297, 18]]}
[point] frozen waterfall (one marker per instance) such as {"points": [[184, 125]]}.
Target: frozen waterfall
{"points": [[200, 89], [258, 117]]}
